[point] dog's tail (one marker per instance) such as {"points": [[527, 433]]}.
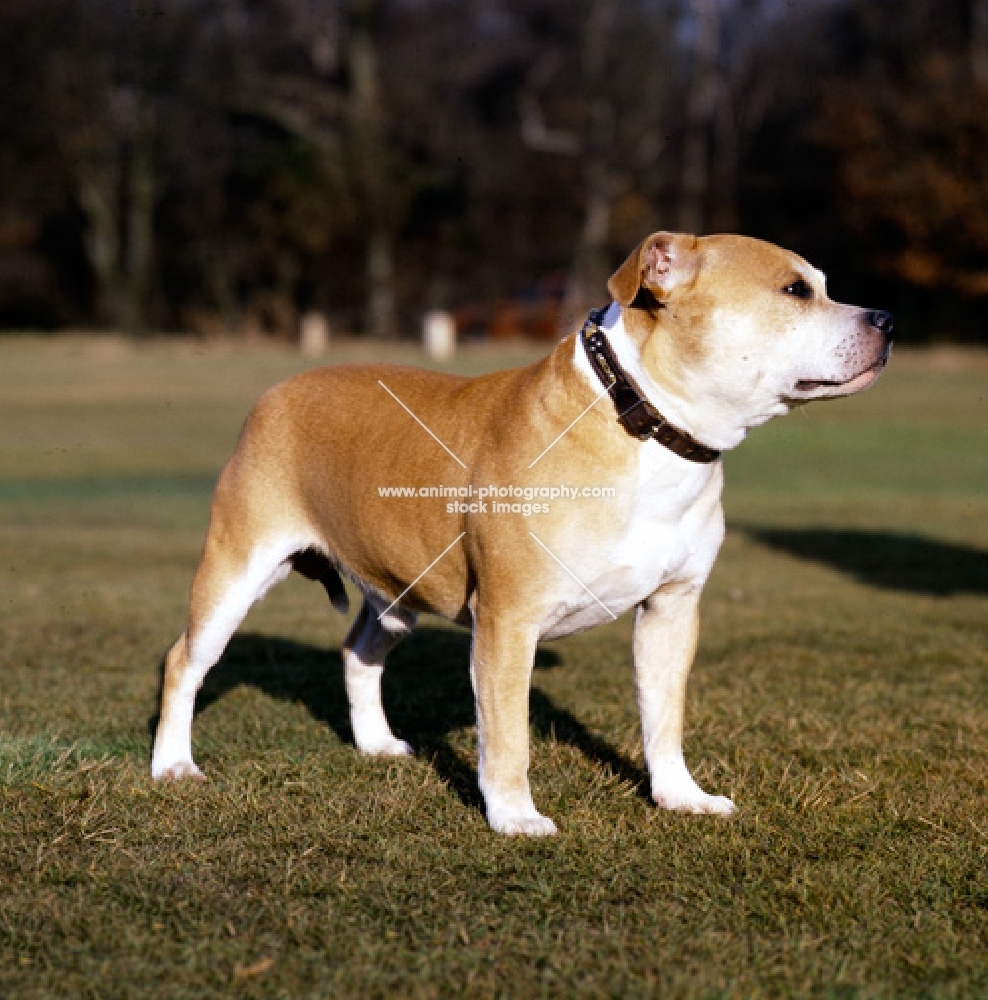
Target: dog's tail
{"points": [[313, 565]]}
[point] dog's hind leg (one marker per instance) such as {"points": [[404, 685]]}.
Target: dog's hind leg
{"points": [[224, 588], [367, 644]]}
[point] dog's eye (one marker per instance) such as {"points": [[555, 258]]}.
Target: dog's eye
{"points": [[799, 289]]}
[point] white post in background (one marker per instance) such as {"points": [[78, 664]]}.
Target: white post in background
{"points": [[313, 334], [439, 335]]}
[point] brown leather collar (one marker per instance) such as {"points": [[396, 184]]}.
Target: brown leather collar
{"points": [[636, 414]]}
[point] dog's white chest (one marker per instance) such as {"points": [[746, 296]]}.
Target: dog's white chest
{"points": [[664, 534]]}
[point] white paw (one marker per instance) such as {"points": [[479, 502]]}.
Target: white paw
{"points": [[527, 824], [389, 746], [176, 771], [673, 787], [711, 805]]}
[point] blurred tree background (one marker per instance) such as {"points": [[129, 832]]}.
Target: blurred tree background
{"points": [[226, 165]]}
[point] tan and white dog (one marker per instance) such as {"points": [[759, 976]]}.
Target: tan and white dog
{"points": [[717, 334]]}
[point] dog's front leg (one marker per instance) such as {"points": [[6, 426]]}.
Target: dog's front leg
{"points": [[501, 672], [666, 629]]}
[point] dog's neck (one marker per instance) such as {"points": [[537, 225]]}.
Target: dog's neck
{"points": [[635, 413], [720, 432]]}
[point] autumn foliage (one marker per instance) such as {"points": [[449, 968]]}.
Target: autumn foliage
{"points": [[225, 166]]}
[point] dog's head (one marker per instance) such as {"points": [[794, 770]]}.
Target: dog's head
{"points": [[741, 326]]}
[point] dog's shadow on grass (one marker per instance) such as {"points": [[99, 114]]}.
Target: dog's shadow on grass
{"points": [[887, 559], [427, 696]]}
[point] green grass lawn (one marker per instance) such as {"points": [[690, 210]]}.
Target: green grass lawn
{"points": [[840, 695]]}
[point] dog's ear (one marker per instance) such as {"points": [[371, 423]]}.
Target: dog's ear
{"points": [[660, 264]]}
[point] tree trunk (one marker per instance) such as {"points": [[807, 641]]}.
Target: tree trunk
{"points": [[701, 105], [380, 314], [136, 244], [116, 193], [979, 41], [98, 186], [590, 265], [727, 151]]}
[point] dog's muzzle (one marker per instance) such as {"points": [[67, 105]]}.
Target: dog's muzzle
{"points": [[878, 320]]}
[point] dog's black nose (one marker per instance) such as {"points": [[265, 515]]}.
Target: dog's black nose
{"points": [[882, 320]]}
